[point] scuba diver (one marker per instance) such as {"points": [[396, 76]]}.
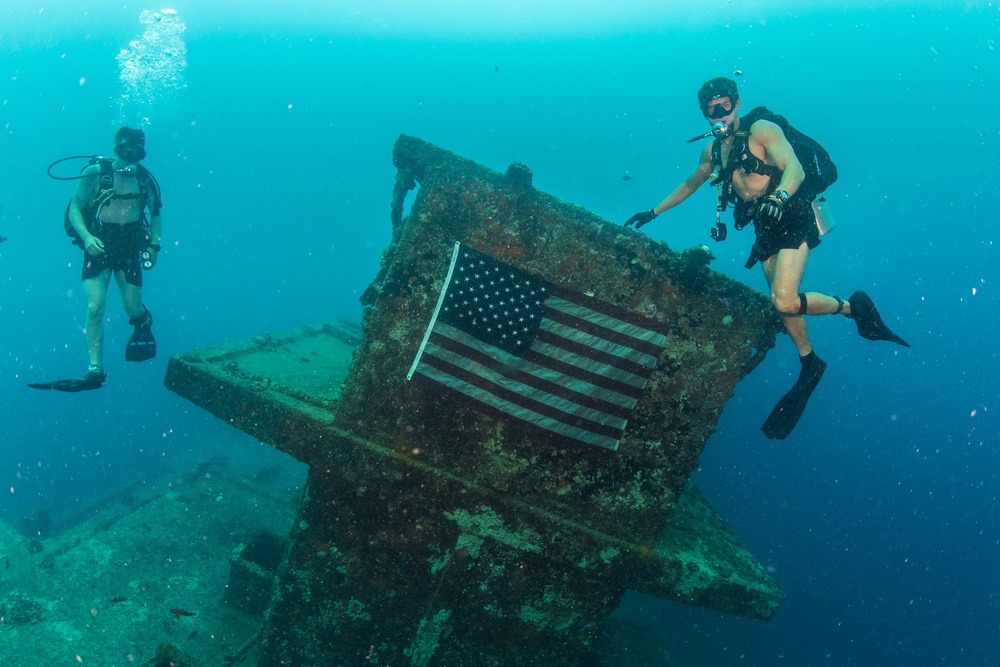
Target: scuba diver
{"points": [[107, 218], [757, 168]]}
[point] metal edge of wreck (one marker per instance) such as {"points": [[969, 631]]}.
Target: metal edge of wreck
{"points": [[719, 330]]}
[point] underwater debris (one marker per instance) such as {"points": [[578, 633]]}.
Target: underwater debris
{"points": [[396, 471], [17, 609], [168, 655], [252, 570], [519, 175]]}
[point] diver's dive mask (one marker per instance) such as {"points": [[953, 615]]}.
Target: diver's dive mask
{"points": [[130, 152], [723, 108]]}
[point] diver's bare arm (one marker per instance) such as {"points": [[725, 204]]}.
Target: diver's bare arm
{"points": [[86, 189], [694, 181], [155, 229], [781, 154]]}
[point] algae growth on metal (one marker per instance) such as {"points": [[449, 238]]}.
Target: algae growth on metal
{"points": [[433, 534]]}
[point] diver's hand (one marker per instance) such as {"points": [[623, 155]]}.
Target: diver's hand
{"points": [[770, 209], [93, 245], [640, 218]]}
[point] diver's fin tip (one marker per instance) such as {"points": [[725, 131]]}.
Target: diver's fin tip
{"points": [[92, 380], [786, 414], [141, 346], [869, 322]]}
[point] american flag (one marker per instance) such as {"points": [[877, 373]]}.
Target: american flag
{"points": [[550, 361]]}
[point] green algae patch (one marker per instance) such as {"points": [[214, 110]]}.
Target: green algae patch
{"points": [[486, 524]]}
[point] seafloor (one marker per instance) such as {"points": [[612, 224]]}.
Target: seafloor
{"points": [[159, 573]]}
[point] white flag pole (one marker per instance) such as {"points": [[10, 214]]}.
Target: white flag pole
{"points": [[444, 290]]}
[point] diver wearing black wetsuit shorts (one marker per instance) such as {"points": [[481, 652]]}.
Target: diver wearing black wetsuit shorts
{"points": [[123, 246], [796, 226], [759, 167]]}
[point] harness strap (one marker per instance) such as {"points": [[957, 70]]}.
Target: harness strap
{"points": [[740, 157]]}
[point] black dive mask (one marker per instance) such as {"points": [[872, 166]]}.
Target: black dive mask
{"points": [[720, 110], [130, 152]]}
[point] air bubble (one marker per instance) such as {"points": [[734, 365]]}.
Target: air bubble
{"points": [[151, 69]]}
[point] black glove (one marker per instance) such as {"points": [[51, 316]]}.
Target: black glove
{"points": [[640, 218], [770, 209]]}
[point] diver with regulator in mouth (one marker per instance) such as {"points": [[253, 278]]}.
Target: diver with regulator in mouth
{"points": [[107, 218], [757, 162]]}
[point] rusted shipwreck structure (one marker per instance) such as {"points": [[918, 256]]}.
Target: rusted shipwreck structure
{"points": [[433, 533]]}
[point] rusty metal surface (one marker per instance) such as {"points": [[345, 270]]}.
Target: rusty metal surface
{"points": [[432, 534]]}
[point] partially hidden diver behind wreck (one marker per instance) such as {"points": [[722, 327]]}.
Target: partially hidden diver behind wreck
{"points": [[496, 511]]}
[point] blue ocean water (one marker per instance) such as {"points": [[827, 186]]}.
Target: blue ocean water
{"points": [[877, 515]]}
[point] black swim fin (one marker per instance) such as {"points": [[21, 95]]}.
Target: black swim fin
{"points": [[870, 324], [141, 346], [92, 380], [787, 412]]}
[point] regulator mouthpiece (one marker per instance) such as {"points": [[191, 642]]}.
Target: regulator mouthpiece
{"points": [[720, 130]]}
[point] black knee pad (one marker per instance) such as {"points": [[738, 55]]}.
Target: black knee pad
{"points": [[803, 304]]}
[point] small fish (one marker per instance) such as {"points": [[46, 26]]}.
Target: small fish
{"points": [[119, 598], [180, 612], [737, 72], [497, 68], [193, 635], [627, 177]]}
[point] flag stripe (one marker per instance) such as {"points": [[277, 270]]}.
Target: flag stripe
{"points": [[540, 357], [513, 403], [605, 326], [535, 429], [527, 398], [639, 320], [596, 373], [588, 352], [630, 358], [453, 345]]}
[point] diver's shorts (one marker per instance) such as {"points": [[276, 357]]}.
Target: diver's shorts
{"points": [[123, 246], [797, 226]]}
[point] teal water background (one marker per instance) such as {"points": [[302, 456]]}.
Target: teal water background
{"points": [[878, 516]]}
